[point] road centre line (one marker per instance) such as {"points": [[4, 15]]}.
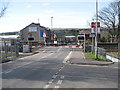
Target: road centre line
{"points": [[62, 77], [54, 76], [56, 73], [60, 70], [57, 86]]}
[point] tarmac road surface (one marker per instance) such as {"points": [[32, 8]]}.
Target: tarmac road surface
{"points": [[47, 69]]}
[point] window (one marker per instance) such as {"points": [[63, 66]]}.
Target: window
{"points": [[32, 29]]}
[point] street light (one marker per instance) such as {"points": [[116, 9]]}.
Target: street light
{"points": [[96, 50], [51, 22], [119, 29]]}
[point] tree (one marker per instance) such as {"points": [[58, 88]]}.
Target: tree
{"points": [[108, 16], [3, 8]]}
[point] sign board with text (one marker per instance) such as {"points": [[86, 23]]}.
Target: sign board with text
{"points": [[93, 27]]}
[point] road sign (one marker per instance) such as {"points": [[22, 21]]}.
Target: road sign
{"points": [[92, 35], [55, 42], [93, 24], [93, 27], [44, 34], [41, 32]]}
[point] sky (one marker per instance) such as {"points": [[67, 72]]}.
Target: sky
{"points": [[65, 13]]}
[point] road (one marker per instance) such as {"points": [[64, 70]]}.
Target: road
{"points": [[47, 69]]}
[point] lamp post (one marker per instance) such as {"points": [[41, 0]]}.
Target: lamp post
{"points": [[51, 22], [119, 29], [96, 49]]}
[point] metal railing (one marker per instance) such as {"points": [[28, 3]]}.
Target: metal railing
{"points": [[7, 50], [100, 51]]}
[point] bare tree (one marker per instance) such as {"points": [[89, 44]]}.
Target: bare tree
{"points": [[109, 18], [3, 8]]}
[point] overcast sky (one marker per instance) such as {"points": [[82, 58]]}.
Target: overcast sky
{"points": [[65, 13]]}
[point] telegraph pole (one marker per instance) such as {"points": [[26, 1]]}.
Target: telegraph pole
{"points": [[96, 49], [51, 22], [118, 29]]}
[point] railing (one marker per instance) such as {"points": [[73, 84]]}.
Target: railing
{"points": [[100, 51], [7, 50]]}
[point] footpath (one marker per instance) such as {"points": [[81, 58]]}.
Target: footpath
{"points": [[79, 58]]}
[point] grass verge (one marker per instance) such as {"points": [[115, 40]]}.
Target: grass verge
{"points": [[92, 56]]}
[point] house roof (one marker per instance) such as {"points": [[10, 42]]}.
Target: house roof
{"points": [[9, 36], [87, 31], [37, 24]]}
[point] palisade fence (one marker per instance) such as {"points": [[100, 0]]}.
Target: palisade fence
{"points": [[8, 49], [100, 51]]}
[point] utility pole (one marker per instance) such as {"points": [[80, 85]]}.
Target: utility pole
{"points": [[38, 20], [51, 22], [96, 49], [119, 29]]}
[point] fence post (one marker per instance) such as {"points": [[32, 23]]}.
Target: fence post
{"points": [[16, 49], [5, 49]]}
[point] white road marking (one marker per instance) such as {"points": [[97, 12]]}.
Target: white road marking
{"points": [[56, 73], [62, 77], [57, 86], [68, 56], [46, 86], [60, 70], [8, 71], [51, 81], [59, 82], [54, 76], [59, 49], [25, 64], [44, 51]]}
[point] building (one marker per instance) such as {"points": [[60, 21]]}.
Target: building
{"points": [[32, 34], [103, 33]]}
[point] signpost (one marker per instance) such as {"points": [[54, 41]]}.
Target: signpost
{"points": [[44, 35], [95, 29]]}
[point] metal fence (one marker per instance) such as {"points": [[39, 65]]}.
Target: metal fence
{"points": [[100, 51], [8, 49]]}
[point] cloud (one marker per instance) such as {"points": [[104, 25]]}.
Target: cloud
{"points": [[46, 4]]}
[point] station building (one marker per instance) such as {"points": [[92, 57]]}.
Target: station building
{"points": [[32, 34]]}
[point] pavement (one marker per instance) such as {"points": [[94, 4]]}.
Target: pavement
{"points": [[79, 58]]}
